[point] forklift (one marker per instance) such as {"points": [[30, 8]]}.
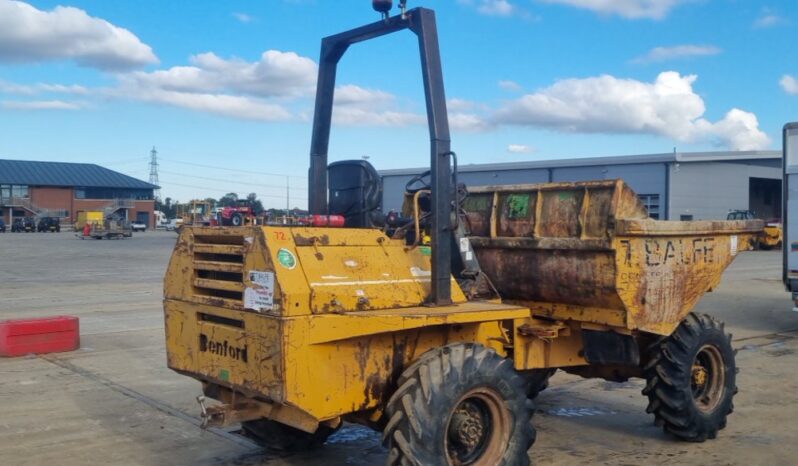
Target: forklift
{"points": [[442, 344]]}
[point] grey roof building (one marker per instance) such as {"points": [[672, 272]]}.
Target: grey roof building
{"points": [[64, 190], [33, 173], [674, 185]]}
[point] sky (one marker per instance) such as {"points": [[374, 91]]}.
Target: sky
{"points": [[224, 90]]}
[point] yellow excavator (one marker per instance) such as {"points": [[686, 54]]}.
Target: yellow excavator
{"points": [[439, 324]]}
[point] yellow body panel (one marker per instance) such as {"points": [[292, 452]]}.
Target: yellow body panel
{"points": [[771, 237], [337, 315], [89, 216], [588, 252]]}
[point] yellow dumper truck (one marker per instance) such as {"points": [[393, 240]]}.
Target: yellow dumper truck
{"points": [[442, 344]]}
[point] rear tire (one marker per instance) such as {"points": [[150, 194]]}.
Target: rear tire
{"points": [[691, 379], [280, 437], [237, 220], [461, 404]]}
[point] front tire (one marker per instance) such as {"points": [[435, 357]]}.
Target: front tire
{"points": [[237, 220], [463, 404], [537, 380], [280, 437], [691, 379]]}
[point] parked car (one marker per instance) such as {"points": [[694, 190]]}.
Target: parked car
{"points": [[174, 224], [52, 224], [26, 224], [138, 226], [2, 226]]}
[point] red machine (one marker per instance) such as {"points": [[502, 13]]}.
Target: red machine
{"points": [[236, 215]]}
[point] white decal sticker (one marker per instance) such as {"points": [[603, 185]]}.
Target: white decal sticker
{"points": [[262, 279], [417, 272], [469, 255], [463, 244], [258, 299], [733, 245], [350, 263], [360, 293], [260, 296]]}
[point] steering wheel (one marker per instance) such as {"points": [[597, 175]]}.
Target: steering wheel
{"points": [[419, 182]]}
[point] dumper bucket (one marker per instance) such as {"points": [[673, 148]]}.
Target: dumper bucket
{"points": [[588, 251]]}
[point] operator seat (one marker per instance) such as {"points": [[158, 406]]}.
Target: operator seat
{"points": [[355, 193]]}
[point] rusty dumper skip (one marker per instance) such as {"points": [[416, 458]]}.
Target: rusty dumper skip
{"points": [[297, 329]]}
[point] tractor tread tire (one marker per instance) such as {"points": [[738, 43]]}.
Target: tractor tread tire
{"points": [[668, 375], [278, 437], [418, 412]]}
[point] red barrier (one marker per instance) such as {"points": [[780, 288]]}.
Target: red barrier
{"points": [[45, 335]]}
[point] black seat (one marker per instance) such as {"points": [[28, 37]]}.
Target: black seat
{"points": [[355, 193]]}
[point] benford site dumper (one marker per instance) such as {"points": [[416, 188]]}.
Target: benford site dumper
{"points": [[442, 344]]}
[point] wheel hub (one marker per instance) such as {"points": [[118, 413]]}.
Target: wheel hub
{"points": [[708, 378], [699, 376], [467, 426], [478, 429]]}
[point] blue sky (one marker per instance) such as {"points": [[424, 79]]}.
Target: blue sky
{"points": [[224, 89]]}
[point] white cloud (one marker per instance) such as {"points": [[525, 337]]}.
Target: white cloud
{"points": [[276, 74], [355, 95], [520, 149], [29, 35], [496, 7], [358, 106], [508, 85], [39, 105], [630, 9], [460, 105], [41, 88], [667, 107], [740, 131], [468, 122], [243, 17], [660, 54], [492, 7], [768, 18], [228, 87], [347, 115], [789, 84]]}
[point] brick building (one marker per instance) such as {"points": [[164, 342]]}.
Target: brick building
{"points": [[59, 189]]}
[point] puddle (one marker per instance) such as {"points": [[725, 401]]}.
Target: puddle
{"points": [[354, 433], [580, 412]]}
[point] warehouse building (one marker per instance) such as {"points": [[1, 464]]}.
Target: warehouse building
{"points": [[674, 186], [58, 189]]}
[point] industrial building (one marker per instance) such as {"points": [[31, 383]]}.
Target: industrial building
{"points": [[673, 186], [59, 189]]}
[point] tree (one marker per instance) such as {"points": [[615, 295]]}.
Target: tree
{"points": [[228, 200], [255, 203], [166, 206]]}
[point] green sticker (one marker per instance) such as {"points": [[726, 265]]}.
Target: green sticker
{"points": [[517, 206], [224, 374], [425, 250], [286, 258]]}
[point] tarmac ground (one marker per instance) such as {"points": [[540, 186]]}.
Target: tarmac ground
{"points": [[114, 402]]}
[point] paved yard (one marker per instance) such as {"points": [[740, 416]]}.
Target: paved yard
{"points": [[114, 401]]}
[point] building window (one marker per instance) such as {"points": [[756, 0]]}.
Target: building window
{"points": [[651, 201], [12, 190], [19, 191], [685, 217], [113, 193]]}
